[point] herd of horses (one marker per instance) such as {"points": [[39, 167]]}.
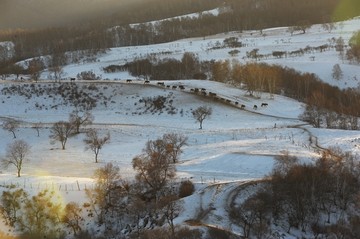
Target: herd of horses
{"points": [[203, 92]]}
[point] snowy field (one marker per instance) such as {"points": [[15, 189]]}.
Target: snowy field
{"points": [[274, 39], [234, 145]]}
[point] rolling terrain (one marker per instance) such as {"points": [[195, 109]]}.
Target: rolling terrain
{"points": [[225, 160]]}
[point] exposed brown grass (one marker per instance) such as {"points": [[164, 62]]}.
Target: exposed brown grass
{"points": [[4, 236]]}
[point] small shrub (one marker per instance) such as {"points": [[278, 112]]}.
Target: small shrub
{"points": [[200, 76], [186, 189], [215, 233], [187, 233]]}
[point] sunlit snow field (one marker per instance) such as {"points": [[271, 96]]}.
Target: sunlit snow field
{"points": [[234, 144]]}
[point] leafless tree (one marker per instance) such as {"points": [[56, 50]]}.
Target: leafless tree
{"points": [[106, 195], [37, 127], [303, 26], [170, 208], [72, 217], [154, 168], [174, 143], [16, 154], [337, 73], [11, 125], [221, 71], [35, 66], [201, 113], [3, 76], [284, 162], [56, 72], [79, 119], [252, 214], [329, 26], [61, 131], [94, 142]]}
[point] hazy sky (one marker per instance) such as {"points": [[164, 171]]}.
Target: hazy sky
{"points": [[42, 13]]}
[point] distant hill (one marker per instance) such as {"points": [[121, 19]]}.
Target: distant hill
{"points": [[49, 13], [52, 13], [99, 25]]}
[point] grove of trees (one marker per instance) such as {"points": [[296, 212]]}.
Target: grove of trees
{"points": [[320, 197], [122, 208], [328, 106], [96, 36], [353, 54]]}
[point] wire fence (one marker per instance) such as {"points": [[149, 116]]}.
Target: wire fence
{"points": [[64, 187]]}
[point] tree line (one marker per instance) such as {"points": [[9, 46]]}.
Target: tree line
{"points": [[321, 198], [328, 106], [234, 16]]}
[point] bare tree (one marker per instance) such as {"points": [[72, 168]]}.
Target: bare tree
{"points": [[138, 209], [106, 194], [3, 76], [72, 217], [16, 153], [337, 73], [303, 26], [252, 214], [94, 142], [107, 179], [201, 113], [11, 202], [11, 125], [61, 131], [174, 143], [170, 208], [221, 71], [34, 67], [56, 72], [154, 168], [37, 127], [329, 26], [284, 162], [340, 47], [79, 119]]}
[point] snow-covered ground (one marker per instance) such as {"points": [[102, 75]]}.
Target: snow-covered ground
{"points": [[214, 12], [234, 145], [274, 39]]}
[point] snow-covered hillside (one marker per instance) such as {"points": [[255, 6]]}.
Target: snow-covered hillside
{"points": [[270, 40], [235, 145]]}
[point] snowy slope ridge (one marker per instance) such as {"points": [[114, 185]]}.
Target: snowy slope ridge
{"points": [[225, 159], [214, 12], [267, 41]]}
